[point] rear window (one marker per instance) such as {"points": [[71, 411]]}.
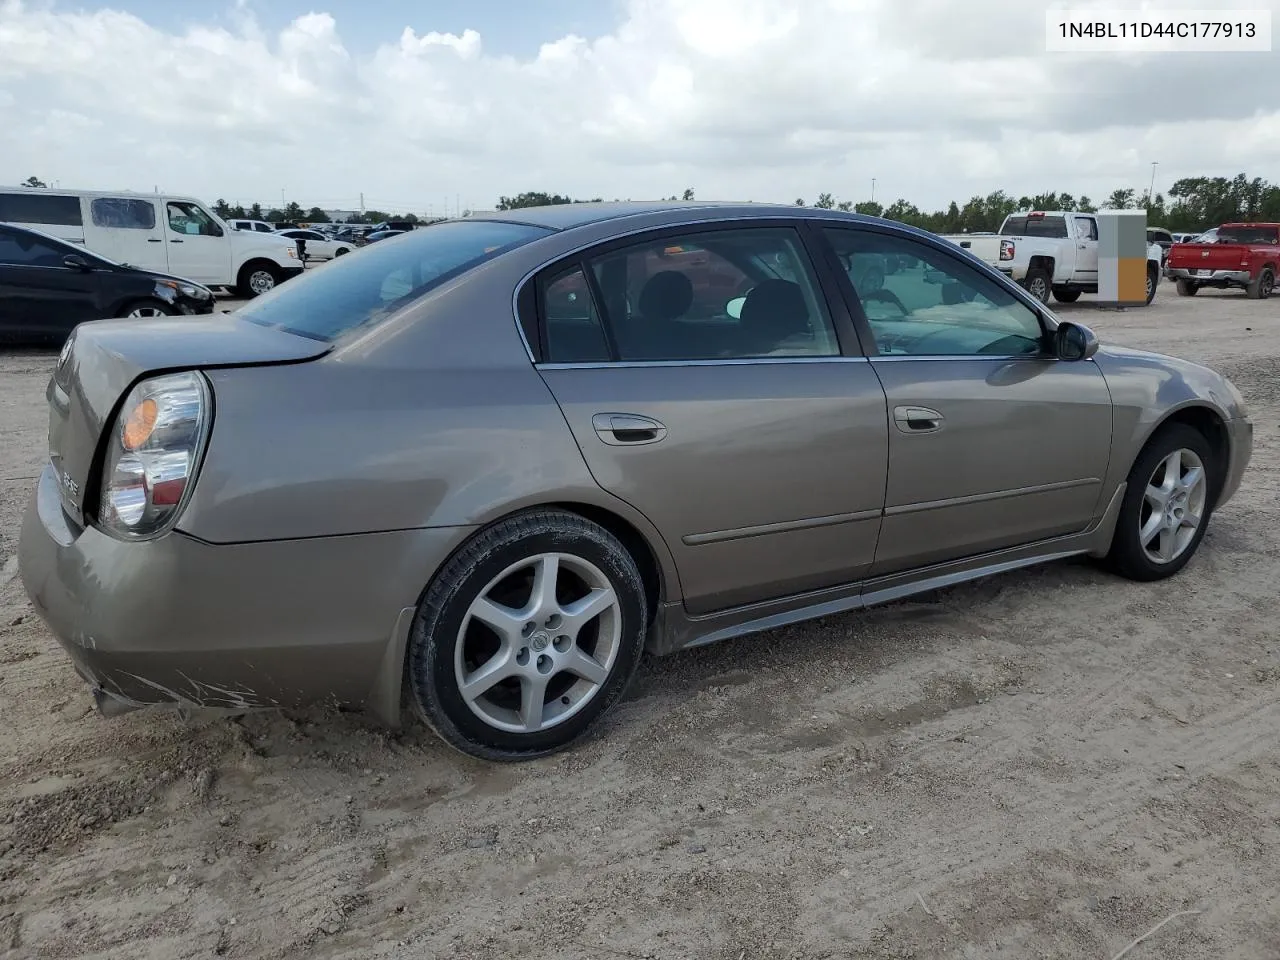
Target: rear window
{"points": [[379, 280], [1249, 235], [40, 207], [1055, 228]]}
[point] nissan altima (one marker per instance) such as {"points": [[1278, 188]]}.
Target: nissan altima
{"points": [[480, 470]]}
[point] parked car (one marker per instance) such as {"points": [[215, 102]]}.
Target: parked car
{"points": [[1162, 238], [316, 245], [373, 236], [403, 226], [160, 232], [520, 505], [1058, 252], [253, 226], [47, 286], [1244, 256]]}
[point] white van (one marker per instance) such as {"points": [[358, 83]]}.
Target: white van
{"points": [[175, 235]]}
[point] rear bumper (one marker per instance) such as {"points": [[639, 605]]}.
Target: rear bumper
{"points": [[1232, 277], [276, 624]]}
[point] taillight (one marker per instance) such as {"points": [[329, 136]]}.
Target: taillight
{"points": [[1006, 249], [152, 454]]}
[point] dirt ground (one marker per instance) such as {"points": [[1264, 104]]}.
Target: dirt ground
{"points": [[1045, 764]]}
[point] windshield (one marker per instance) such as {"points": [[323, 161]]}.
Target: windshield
{"points": [[1249, 235], [379, 280]]}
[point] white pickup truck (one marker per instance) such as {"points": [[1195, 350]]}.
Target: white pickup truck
{"points": [[1050, 252]]}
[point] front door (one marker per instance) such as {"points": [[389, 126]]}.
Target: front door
{"points": [[1086, 250], [197, 248], [39, 294], [992, 443], [737, 426], [128, 230]]}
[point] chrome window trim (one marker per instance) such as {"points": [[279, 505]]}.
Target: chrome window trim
{"points": [[731, 362]]}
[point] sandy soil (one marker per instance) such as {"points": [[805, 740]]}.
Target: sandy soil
{"points": [[1046, 764]]}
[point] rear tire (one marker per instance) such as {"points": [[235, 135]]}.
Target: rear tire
{"points": [[1186, 288], [341, 251], [503, 605], [1153, 539], [1263, 286], [1039, 284], [147, 308], [257, 277], [1153, 280], [1065, 296]]}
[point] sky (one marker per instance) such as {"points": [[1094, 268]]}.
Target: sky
{"points": [[433, 105]]}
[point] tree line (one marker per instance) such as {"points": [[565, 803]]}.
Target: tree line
{"points": [[1192, 204]]}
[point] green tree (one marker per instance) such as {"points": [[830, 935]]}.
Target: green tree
{"points": [[1121, 199], [533, 198], [293, 212], [221, 208], [825, 202], [316, 215], [870, 208], [688, 194], [34, 182], [255, 212], [800, 201], [845, 205], [904, 212]]}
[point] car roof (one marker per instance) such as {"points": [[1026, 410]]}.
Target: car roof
{"points": [[567, 216]]}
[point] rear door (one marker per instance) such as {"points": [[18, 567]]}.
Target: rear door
{"points": [[748, 431], [198, 249], [127, 229], [39, 294], [993, 443]]}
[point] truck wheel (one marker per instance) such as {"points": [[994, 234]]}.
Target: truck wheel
{"points": [[257, 277], [1153, 279], [1186, 288], [1039, 284], [1263, 286], [1065, 296]]}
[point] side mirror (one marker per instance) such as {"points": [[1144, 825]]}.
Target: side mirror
{"points": [[1074, 341], [73, 261]]}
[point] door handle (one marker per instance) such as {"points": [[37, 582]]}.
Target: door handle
{"points": [[154, 240], [917, 419], [627, 429], [175, 241]]}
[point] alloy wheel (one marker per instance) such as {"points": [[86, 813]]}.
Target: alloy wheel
{"points": [[1173, 506], [538, 643], [137, 312]]}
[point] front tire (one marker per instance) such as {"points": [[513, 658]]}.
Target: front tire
{"points": [[342, 251], [146, 308], [528, 635], [256, 278], [1186, 288], [1065, 296], [1166, 505], [1153, 280]]}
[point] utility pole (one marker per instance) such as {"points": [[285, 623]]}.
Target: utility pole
{"points": [[873, 189], [1151, 190]]}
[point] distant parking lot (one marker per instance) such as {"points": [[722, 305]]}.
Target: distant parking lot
{"points": [[1044, 764]]}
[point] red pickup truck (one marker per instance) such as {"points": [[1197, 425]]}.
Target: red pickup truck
{"points": [[1245, 255]]}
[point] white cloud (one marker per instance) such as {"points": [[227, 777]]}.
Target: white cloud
{"points": [[750, 99]]}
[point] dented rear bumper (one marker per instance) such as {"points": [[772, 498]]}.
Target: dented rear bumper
{"points": [[176, 620]]}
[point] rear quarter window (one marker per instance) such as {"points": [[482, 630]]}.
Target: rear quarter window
{"points": [[363, 290]]}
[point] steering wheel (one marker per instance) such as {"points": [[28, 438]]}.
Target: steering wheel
{"points": [[886, 296]]}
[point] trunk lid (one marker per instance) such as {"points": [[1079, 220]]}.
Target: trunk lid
{"points": [[1208, 256], [103, 359]]}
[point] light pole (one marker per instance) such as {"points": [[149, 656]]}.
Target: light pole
{"points": [[1151, 190], [873, 189]]}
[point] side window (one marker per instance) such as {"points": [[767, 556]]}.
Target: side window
{"points": [[189, 220], [38, 206], [715, 295], [124, 213], [1087, 228], [923, 302], [18, 249], [573, 328]]}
